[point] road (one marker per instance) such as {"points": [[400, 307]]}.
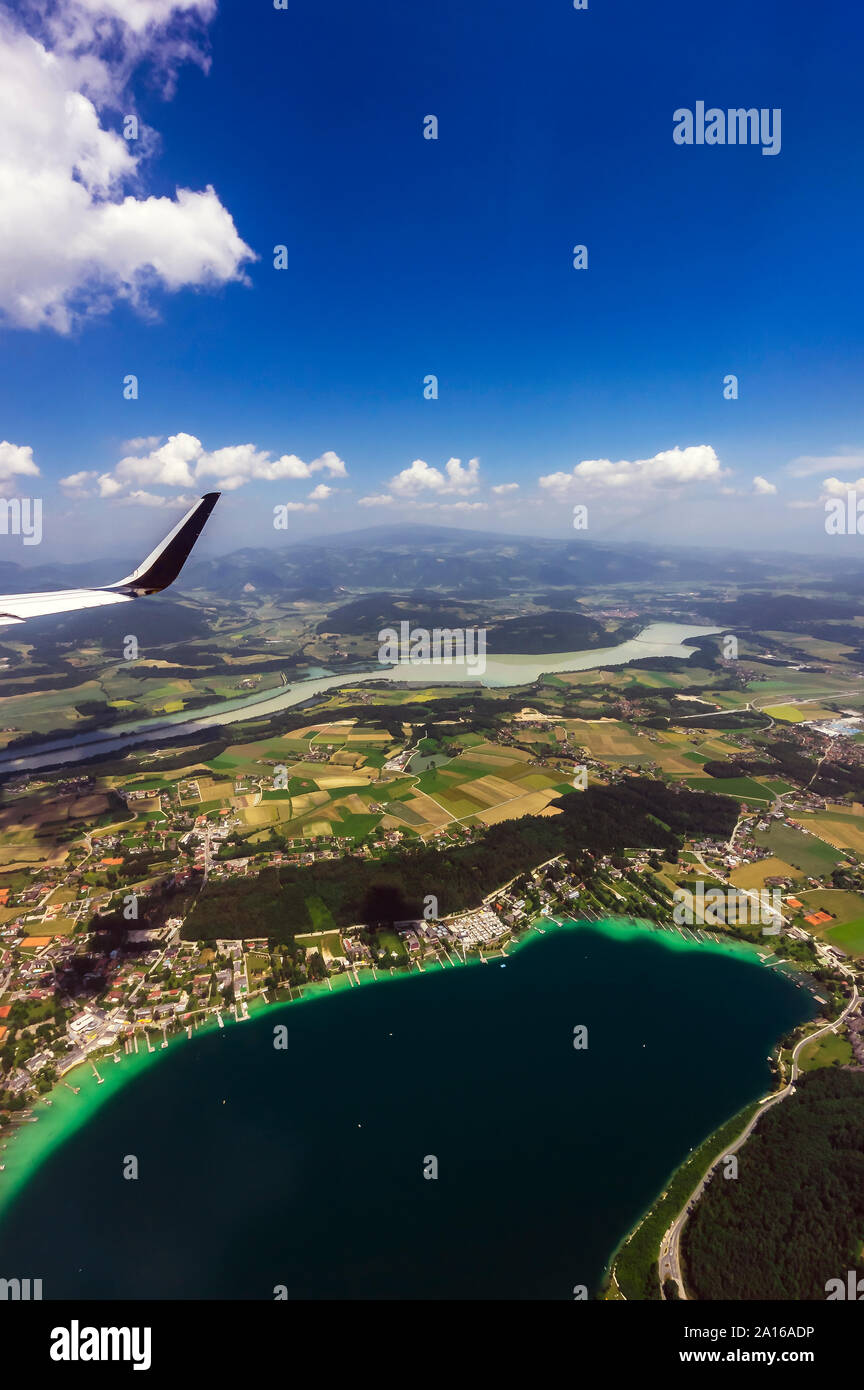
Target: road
{"points": [[669, 1266]]}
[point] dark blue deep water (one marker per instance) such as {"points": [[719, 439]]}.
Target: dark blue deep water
{"points": [[304, 1168]]}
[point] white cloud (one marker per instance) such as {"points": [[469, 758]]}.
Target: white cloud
{"points": [[463, 480], [140, 15], [762, 487], [320, 493], [330, 463], [838, 487], [108, 486], [421, 477], [807, 464], [503, 488], [16, 461], [168, 465], [450, 506], [418, 478], [140, 498], [698, 463], [79, 484], [182, 461], [78, 231], [143, 442], [383, 499]]}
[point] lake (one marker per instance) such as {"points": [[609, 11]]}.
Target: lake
{"points": [[305, 1167]]}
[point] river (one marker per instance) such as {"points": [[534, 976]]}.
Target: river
{"points": [[658, 639]]}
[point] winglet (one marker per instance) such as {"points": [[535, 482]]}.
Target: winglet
{"points": [[163, 564]]}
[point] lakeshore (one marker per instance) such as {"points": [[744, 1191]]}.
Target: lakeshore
{"points": [[35, 1147]]}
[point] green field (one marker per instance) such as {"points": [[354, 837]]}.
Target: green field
{"points": [[352, 824], [845, 906], [322, 918], [742, 788], [849, 937], [825, 1051], [790, 714], [389, 941], [805, 852]]}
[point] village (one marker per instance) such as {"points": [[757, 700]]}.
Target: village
{"points": [[71, 993]]}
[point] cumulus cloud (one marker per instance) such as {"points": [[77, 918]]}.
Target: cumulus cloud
{"points": [[182, 461], [838, 487], [420, 477], [698, 463], [79, 484], [762, 487], [381, 499], [79, 231], [168, 465], [320, 493], [16, 461], [503, 488], [459, 479], [108, 486]]}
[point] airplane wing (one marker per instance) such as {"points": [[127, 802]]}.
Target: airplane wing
{"points": [[160, 569]]}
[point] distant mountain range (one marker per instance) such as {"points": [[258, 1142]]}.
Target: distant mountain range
{"points": [[467, 566], [477, 565]]}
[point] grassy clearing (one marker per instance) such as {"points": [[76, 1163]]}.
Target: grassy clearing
{"points": [[742, 788], [810, 855], [849, 937], [824, 1052]]}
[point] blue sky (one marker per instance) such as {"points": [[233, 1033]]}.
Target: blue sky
{"points": [[452, 257]]}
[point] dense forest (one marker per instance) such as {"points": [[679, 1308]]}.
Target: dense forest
{"points": [[795, 1216], [347, 891]]}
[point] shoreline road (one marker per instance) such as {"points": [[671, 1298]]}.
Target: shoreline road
{"points": [[669, 1263]]}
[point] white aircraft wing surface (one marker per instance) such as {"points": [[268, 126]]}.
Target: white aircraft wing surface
{"points": [[160, 569]]}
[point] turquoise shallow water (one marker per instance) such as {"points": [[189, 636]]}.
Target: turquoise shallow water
{"points": [[304, 1168]]}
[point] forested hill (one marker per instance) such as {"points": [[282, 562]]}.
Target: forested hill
{"points": [[636, 813], [795, 1216]]}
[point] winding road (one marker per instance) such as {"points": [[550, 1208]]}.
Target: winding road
{"points": [[669, 1265]]}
